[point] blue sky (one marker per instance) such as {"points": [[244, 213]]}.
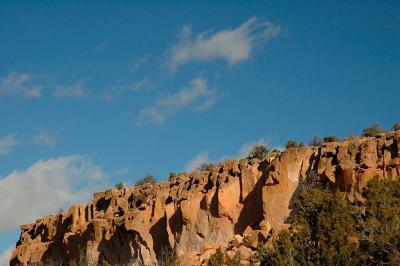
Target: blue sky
{"points": [[95, 93]]}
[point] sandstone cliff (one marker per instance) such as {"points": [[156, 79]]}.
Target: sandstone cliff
{"points": [[199, 212]]}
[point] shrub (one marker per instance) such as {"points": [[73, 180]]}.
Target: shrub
{"points": [[217, 258], [315, 141], [148, 179], [259, 151], [396, 126], [379, 220], [261, 252], [318, 240], [119, 185], [331, 139], [172, 175], [105, 263], [169, 257], [294, 144], [372, 131], [234, 261], [60, 211], [221, 258], [247, 241], [205, 167], [329, 230]]}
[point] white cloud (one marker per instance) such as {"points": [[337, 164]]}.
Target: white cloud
{"points": [[244, 151], [116, 91], [140, 84], [75, 90], [44, 187], [121, 171], [7, 144], [5, 256], [140, 62], [200, 158], [232, 45], [102, 46], [44, 138], [19, 84], [197, 95]]}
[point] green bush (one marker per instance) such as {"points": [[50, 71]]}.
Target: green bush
{"points": [[319, 240], [205, 167], [372, 131], [73, 263], [259, 151], [396, 126], [60, 211], [169, 257], [247, 241], [315, 141], [261, 252], [217, 258], [221, 258], [327, 229], [234, 261], [293, 144], [331, 139], [172, 175], [119, 185], [148, 179], [105, 263], [379, 221]]}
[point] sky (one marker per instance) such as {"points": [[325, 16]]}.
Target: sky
{"points": [[95, 92]]}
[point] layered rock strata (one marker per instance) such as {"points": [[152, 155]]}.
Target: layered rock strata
{"points": [[198, 212]]}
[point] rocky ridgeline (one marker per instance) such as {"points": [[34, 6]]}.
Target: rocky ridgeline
{"points": [[197, 213]]}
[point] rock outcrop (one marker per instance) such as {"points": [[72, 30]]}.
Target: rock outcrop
{"points": [[237, 201]]}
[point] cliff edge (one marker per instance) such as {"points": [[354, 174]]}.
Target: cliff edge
{"points": [[196, 213]]}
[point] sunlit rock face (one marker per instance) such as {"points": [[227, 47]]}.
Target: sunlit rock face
{"points": [[197, 213]]}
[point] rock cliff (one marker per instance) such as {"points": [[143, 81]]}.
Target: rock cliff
{"points": [[198, 212]]}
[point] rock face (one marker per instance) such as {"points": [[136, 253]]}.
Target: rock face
{"points": [[199, 212]]}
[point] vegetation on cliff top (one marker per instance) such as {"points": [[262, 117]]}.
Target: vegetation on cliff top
{"points": [[329, 230]]}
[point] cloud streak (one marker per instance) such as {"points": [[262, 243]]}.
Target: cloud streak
{"points": [[46, 186], [44, 138], [5, 256], [74, 90], [197, 96], [117, 91], [19, 84], [232, 45], [140, 62], [202, 157], [7, 144]]}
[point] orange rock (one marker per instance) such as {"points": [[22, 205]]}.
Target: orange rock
{"points": [[197, 213]]}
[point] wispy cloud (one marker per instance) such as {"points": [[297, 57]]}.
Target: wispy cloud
{"points": [[197, 95], [47, 186], [116, 91], [78, 89], [7, 144], [140, 84], [232, 45], [6, 255], [121, 171], [140, 62], [202, 157], [244, 151], [45, 138], [19, 84], [102, 46]]}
